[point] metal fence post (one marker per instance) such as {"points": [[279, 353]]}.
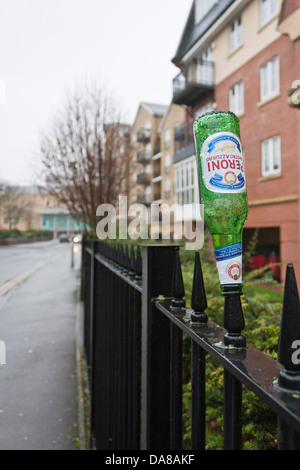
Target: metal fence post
{"points": [[158, 267]]}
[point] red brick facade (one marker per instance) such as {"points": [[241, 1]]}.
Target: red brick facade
{"points": [[274, 200]]}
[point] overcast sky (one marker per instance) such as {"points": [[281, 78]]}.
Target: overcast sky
{"points": [[47, 46]]}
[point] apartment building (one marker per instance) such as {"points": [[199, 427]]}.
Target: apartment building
{"points": [[244, 56], [146, 185]]}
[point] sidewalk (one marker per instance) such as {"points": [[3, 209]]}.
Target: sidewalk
{"points": [[39, 392]]}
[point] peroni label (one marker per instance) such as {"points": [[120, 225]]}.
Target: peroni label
{"points": [[223, 164], [229, 263]]}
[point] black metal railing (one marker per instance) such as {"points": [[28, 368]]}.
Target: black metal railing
{"points": [[134, 319], [194, 81], [184, 136], [143, 157]]}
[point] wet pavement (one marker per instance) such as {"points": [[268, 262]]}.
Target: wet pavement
{"points": [[38, 383]]}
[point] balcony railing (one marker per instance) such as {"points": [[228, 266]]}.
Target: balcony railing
{"points": [[143, 157], [142, 199], [186, 136], [156, 173], [143, 178], [157, 196], [143, 135], [194, 82]]}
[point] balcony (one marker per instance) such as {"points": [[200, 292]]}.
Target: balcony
{"points": [[156, 173], [196, 81], [143, 178], [143, 135], [143, 199], [143, 157], [185, 146]]}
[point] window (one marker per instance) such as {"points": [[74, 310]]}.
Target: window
{"points": [[202, 7], [268, 9], [185, 182], [235, 34], [271, 156], [204, 67], [167, 163], [167, 138], [236, 98], [269, 79], [148, 151], [148, 194], [167, 189]]}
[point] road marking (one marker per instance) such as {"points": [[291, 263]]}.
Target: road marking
{"points": [[8, 285]]}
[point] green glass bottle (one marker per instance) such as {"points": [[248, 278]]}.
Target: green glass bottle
{"points": [[222, 187]]}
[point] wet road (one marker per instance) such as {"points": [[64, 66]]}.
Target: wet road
{"points": [[15, 259], [38, 399]]}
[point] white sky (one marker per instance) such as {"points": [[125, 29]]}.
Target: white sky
{"points": [[47, 46]]}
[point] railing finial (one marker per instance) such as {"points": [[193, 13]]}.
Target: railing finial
{"points": [[198, 300], [233, 319], [289, 339], [177, 284]]}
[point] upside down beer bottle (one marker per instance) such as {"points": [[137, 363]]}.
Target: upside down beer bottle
{"points": [[222, 188]]}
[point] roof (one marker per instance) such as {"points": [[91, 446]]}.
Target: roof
{"points": [[193, 32], [155, 109]]}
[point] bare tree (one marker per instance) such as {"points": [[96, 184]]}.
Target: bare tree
{"points": [[13, 204], [86, 154]]}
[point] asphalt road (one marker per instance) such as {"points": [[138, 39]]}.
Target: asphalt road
{"points": [[38, 389], [15, 259]]}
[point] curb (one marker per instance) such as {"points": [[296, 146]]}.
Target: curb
{"points": [[82, 429]]}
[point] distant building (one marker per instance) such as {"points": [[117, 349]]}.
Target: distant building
{"points": [[145, 141], [59, 220], [31, 208]]}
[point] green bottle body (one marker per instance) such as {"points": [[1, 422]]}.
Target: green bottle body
{"points": [[222, 186]]}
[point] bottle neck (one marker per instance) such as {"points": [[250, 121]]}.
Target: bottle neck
{"points": [[226, 239]]}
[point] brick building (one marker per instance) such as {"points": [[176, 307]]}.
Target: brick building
{"points": [[145, 140], [244, 56]]}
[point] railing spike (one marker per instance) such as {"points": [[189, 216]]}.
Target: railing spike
{"points": [[126, 260], [138, 265], [177, 284], [289, 337], [198, 300], [132, 262], [122, 256]]}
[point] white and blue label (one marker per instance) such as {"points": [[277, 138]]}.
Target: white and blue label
{"points": [[229, 263], [223, 169]]}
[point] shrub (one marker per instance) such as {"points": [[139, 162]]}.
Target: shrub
{"points": [[262, 319]]}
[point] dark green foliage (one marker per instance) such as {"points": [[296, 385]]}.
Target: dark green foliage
{"points": [[262, 318], [43, 234]]}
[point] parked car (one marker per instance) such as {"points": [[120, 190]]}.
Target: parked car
{"points": [[63, 238]]}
